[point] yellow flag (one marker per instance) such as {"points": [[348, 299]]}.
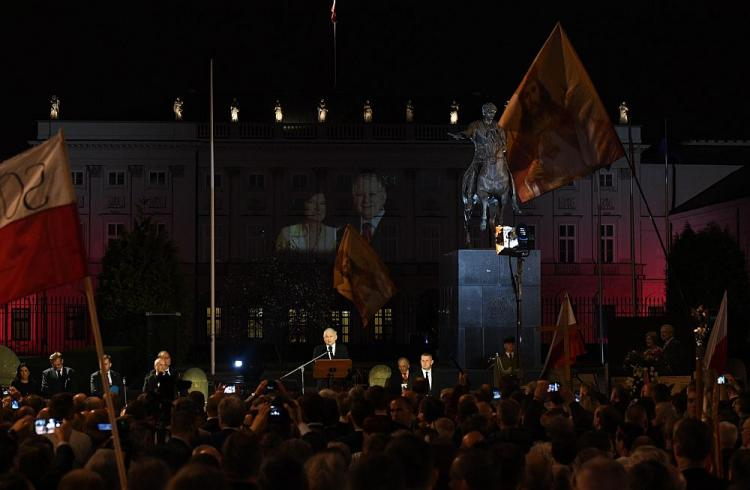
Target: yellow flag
{"points": [[361, 276], [556, 126]]}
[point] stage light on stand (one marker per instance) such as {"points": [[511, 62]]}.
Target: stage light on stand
{"points": [[238, 364], [510, 240]]}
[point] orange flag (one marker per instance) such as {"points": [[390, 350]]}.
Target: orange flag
{"points": [[556, 353], [361, 276], [556, 126]]}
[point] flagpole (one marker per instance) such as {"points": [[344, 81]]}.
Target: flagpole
{"points": [[666, 188], [213, 228], [119, 458], [633, 281], [599, 275], [335, 46]]}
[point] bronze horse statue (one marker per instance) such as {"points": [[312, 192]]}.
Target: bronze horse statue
{"points": [[488, 179]]}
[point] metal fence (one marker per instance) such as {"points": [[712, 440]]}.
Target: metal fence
{"points": [[586, 310], [40, 324]]}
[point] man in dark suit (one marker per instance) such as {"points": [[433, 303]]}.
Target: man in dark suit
{"points": [[332, 349], [402, 379], [115, 380], [58, 378], [159, 382], [369, 197], [674, 354], [426, 361]]}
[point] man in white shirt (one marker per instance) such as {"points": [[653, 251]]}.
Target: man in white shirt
{"points": [[426, 361]]}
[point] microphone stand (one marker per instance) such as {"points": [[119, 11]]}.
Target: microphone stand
{"points": [[301, 369]]}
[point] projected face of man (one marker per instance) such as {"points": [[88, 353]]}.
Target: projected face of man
{"points": [[329, 336], [315, 208], [369, 196], [106, 364]]}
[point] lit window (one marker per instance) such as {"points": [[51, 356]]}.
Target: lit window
{"points": [[255, 323], [383, 325], [217, 320]]}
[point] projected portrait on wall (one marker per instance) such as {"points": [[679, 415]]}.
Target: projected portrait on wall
{"points": [[368, 197], [311, 236]]}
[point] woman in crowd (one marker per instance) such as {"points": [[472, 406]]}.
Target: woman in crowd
{"points": [[23, 382]]}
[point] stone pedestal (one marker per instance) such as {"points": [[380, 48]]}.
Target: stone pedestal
{"points": [[478, 307]]}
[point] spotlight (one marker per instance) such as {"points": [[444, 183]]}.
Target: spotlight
{"points": [[511, 240], [238, 364]]}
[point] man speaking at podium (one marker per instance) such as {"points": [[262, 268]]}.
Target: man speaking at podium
{"points": [[335, 351]]}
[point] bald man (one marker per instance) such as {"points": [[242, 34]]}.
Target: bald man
{"points": [[331, 347], [332, 350]]}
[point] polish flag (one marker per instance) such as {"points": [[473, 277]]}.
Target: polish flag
{"points": [[716, 349], [333, 12], [40, 233]]}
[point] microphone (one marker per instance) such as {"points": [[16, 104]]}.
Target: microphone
{"points": [[330, 354]]}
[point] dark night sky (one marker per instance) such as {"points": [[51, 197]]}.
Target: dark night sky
{"points": [[116, 61]]}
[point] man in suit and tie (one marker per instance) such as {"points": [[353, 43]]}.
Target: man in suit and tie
{"points": [[426, 361], [402, 379], [114, 378], [332, 349], [58, 378], [369, 196]]}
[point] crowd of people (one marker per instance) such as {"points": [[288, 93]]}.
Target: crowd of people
{"points": [[409, 434]]}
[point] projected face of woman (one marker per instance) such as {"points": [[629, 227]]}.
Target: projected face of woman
{"points": [[315, 208]]}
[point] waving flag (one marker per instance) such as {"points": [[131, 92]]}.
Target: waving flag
{"points": [[333, 12], [40, 234], [556, 126], [716, 349], [361, 276]]}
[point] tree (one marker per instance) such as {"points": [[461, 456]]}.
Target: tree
{"points": [[700, 267], [140, 273]]}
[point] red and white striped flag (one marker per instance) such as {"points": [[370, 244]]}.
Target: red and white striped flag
{"points": [[556, 354], [716, 349], [40, 234], [333, 12]]}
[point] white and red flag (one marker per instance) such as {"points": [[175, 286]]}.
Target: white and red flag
{"points": [[716, 349], [333, 12], [40, 233]]}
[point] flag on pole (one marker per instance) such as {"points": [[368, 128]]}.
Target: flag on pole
{"points": [[361, 276], [556, 126], [333, 12], [716, 349], [556, 353], [40, 233]]}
